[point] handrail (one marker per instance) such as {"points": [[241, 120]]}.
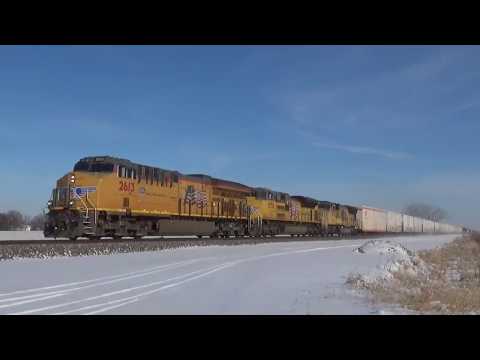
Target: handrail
{"points": [[94, 209], [85, 205]]}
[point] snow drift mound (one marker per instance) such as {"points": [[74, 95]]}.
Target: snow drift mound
{"points": [[385, 247], [393, 258]]}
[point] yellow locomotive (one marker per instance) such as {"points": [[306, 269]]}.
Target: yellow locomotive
{"points": [[110, 197]]}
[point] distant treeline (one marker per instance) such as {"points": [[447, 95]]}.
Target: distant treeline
{"points": [[15, 220]]}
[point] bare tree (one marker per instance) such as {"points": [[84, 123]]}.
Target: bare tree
{"points": [[12, 220], [3, 222], [37, 222], [426, 211]]}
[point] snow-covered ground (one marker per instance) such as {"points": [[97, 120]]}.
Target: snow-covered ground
{"points": [[275, 278], [21, 235]]}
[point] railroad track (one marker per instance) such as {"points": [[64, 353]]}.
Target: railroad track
{"points": [[52, 248], [281, 238]]}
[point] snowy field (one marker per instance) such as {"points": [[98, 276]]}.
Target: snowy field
{"points": [[276, 278]]}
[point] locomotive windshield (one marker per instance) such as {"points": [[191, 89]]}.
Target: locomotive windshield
{"points": [[93, 167]]}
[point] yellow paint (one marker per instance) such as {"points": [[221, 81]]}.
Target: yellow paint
{"points": [[152, 199]]}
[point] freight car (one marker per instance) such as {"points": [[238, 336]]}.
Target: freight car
{"points": [[373, 220], [110, 197]]}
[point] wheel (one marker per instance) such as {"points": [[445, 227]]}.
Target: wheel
{"points": [[199, 236], [73, 238]]}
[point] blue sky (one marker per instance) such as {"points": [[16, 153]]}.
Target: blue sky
{"points": [[376, 125]]}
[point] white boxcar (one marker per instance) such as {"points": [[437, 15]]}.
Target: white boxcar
{"points": [[443, 228], [394, 222], [424, 225], [454, 229], [428, 226], [417, 225], [408, 224], [372, 220]]}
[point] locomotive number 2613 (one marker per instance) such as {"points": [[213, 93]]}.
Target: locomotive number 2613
{"points": [[127, 186]]}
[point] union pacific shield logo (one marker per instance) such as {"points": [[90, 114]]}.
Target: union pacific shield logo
{"points": [[81, 191]]}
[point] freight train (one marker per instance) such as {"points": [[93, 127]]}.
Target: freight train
{"points": [[110, 197]]}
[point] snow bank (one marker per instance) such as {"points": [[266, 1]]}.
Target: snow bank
{"points": [[393, 257]]}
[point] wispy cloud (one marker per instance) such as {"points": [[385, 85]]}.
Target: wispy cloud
{"points": [[317, 141], [363, 150], [467, 105]]}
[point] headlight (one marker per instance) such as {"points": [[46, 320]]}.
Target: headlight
{"points": [[50, 203], [71, 202]]}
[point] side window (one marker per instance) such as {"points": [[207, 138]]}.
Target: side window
{"points": [[122, 171], [54, 196]]}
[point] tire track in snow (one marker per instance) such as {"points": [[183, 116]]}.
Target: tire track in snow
{"points": [[96, 279], [207, 272], [49, 295]]}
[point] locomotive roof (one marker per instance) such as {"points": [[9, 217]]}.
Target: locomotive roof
{"points": [[312, 202], [270, 190], [215, 181], [122, 162], [222, 182], [305, 201], [128, 163]]}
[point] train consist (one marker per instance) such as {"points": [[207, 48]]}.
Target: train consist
{"points": [[110, 197]]}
